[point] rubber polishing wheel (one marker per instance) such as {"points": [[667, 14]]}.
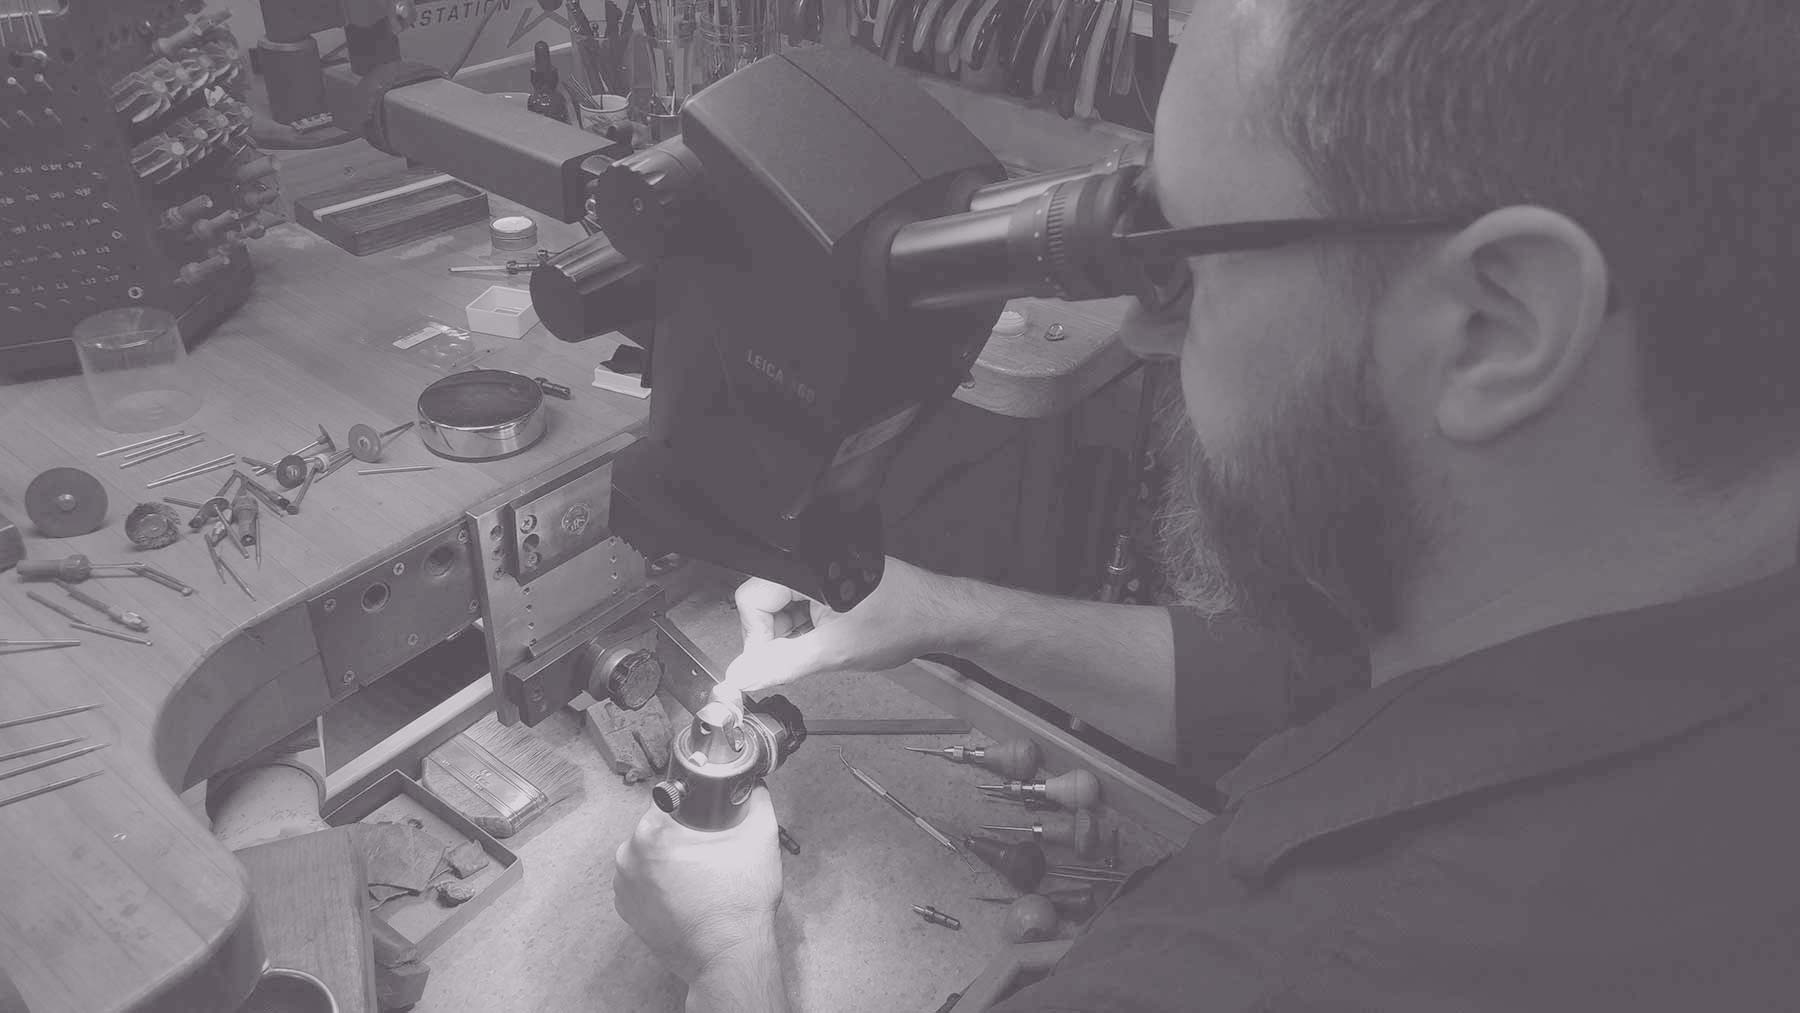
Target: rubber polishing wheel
{"points": [[365, 443], [65, 502], [290, 471]]}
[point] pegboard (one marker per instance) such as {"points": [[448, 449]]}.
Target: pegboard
{"points": [[127, 175]]}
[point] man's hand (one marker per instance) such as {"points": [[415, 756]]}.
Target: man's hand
{"points": [[910, 614], [705, 902]]}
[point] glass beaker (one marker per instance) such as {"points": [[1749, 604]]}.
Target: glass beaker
{"points": [[136, 369]]}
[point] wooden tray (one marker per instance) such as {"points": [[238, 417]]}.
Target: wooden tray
{"points": [[377, 214], [424, 921]]}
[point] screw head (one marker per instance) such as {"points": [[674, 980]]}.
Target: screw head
{"points": [[412, 640], [531, 560], [474, 607], [528, 523], [349, 676], [463, 537], [399, 568], [331, 605], [1056, 332]]}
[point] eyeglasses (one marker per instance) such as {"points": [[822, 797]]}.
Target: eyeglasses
{"points": [[1162, 253], [1163, 244]]}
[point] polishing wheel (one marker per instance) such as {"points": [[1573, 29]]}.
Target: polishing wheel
{"points": [[65, 502], [365, 443]]}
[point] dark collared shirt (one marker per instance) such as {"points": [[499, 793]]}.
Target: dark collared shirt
{"points": [[1595, 817]]}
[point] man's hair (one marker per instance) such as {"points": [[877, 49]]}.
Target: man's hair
{"points": [[1668, 129]]}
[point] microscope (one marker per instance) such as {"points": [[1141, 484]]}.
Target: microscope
{"points": [[812, 266]]}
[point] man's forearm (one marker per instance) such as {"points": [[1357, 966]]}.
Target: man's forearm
{"points": [[1112, 666], [746, 980]]}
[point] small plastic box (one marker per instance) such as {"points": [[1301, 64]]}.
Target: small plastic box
{"points": [[503, 311]]}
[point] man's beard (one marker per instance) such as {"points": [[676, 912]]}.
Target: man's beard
{"points": [[1311, 530]]}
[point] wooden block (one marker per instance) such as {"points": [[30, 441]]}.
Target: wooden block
{"points": [[376, 214], [609, 727], [308, 892]]}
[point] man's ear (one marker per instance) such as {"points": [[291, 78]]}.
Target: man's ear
{"points": [[1531, 287]]}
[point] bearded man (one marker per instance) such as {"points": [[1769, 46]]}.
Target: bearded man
{"points": [[1486, 534]]}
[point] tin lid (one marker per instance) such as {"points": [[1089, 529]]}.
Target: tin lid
{"points": [[514, 232]]}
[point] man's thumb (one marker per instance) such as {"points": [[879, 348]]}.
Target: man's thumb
{"points": [[773, 663]]}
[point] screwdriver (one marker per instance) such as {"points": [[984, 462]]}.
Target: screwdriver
{"points": [[80, 623], [1074, 902], [1077, 789], [1079, 831], [129, 620], [1023, 865], [1017, 759]]}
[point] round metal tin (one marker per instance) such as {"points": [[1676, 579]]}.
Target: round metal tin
{"points": [[481, 415]]}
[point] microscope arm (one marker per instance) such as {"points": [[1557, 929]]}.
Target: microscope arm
{"points": [[479, 138]]}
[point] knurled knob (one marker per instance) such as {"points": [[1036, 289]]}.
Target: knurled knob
{"points": [[668, 795], [634, 681]]}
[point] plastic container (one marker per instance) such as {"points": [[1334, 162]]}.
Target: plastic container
{"points": [[603, 112], [504, 311], [136, 370], [513, 234]]}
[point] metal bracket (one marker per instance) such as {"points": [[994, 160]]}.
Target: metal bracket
{"points": [[540, 685], [688, 672]]}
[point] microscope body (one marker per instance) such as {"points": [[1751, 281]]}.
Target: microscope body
{"points": [[784, 385]]}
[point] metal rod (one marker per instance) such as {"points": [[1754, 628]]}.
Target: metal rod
{"points": [[201, 469], [37, 645], [919, 821], [397, 471], [397, 430], [48, 788], [141, 444], [148, 572], [188, 503], [54, 607], [65, 712], [235, 579], [50, 761], [157, 452], [29, 750], [87, 628], [159, 444]]}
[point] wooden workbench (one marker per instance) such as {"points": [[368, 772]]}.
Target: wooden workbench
{"points": [[116, 895]]}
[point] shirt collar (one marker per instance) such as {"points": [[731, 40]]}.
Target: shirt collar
{"points": [[1551, 700]]}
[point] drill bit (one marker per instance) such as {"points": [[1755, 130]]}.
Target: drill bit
{"points": [[49, 761], [46, 789], [35, 718], [936, 917]]}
